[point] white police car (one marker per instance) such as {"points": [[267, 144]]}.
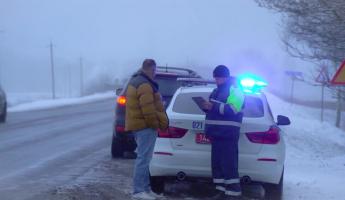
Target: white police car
{"points": [[184, 152]]}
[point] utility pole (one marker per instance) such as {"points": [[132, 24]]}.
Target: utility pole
{"points": [[69, 81], [1, 71], [81, 76], [0, 74], [295, 76], [292, 89], [322, 100], [52, 68]]}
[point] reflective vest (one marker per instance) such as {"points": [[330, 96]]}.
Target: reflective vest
{"points": [[235, 98], [225, 116]]}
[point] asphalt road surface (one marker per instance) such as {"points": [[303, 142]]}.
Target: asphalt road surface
{"points": [[64, 153]]}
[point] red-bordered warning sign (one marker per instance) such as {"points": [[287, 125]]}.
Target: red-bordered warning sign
{"points": [[339, 77]]}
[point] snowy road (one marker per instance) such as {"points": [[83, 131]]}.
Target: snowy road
{"points": [[64, 153], [41, 150]]}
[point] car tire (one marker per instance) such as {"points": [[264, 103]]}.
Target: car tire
{"points": [[157, 184], [129, 155], [4, 115], [275, 191], [116, 148]]}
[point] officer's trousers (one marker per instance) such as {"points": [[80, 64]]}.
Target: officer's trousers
{"points": [[224, 158]]}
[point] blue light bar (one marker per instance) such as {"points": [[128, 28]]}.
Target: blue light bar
{"points": [[251, 84], [247, 82]]}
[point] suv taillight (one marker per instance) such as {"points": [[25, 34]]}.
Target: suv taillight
{"points": [[268, 137], [120, 129], [121, 100], [172, 132]]}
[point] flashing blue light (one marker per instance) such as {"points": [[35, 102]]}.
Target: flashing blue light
{"points": [[251, 84], [247, 91], [261, 83], [247, 82]]}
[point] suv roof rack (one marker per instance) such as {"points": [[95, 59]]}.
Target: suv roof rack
{"points": [[190, 72], [197, 80], [190, 82], [202, 81]]}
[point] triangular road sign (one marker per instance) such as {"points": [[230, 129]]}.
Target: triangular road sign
{"points": [[322, 77], [339, 77]]}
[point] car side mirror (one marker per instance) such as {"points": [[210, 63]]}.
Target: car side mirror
{"points": [[283, 120], [118, 91]]}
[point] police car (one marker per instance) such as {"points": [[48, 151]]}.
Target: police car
{"points": [[184, 152]]}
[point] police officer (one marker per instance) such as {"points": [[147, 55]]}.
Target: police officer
{"points": [[223, 122]]}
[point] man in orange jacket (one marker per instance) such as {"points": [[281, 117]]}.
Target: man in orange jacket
{"points": [[145, 114]]}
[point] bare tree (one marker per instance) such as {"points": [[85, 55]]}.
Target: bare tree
{"points": [[314, 31]]}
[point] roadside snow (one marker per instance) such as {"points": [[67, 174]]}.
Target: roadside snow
{"points": [[315, 154], [14, 99], [45, 104]]}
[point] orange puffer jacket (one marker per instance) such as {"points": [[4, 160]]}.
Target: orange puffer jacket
{"points": [[144, 107]]}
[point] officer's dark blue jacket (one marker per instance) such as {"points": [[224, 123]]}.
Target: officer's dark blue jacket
{"points": [[222, 120]]}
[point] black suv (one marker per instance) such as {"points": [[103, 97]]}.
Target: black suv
{"points": [[169, 80]]}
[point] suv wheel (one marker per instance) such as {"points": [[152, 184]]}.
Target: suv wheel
{"points": [[130, 155], [116, 148], [157, 184], [4, 114], [275, 191]]}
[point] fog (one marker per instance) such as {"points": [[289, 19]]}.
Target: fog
{"points": [[113, 37]]}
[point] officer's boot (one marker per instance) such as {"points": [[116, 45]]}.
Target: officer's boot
{"points": [[219, 196], [233, 191]]}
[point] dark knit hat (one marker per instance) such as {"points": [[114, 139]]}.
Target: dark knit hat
{"points": [[221, 71]]}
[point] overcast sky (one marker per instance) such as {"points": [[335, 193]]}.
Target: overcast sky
{"points": [[118, 34]]}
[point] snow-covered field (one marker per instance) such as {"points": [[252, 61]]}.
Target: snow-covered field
{"points": [[27, 102], [315, 160]]}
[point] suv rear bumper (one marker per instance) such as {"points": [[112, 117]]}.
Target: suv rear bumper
{"points": [[169, 162], [126, 139]]}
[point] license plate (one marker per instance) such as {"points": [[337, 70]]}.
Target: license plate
{"points": [[202, 139]]}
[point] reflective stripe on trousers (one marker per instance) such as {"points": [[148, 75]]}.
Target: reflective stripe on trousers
{"points": [[228, 181]]}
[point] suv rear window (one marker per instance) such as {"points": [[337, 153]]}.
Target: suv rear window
{"points": [[167, 85], [185, 105]]}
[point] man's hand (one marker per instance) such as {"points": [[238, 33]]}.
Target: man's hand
{"points": [[207, 105]]}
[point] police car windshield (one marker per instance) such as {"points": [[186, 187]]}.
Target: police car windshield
{"points": [[184, 104]]}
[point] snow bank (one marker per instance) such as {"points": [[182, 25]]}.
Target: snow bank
{"points": [[315, 154], [14, 99], [45, 104]]}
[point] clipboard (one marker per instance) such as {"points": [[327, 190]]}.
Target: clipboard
{"points": [[199, 101]]}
